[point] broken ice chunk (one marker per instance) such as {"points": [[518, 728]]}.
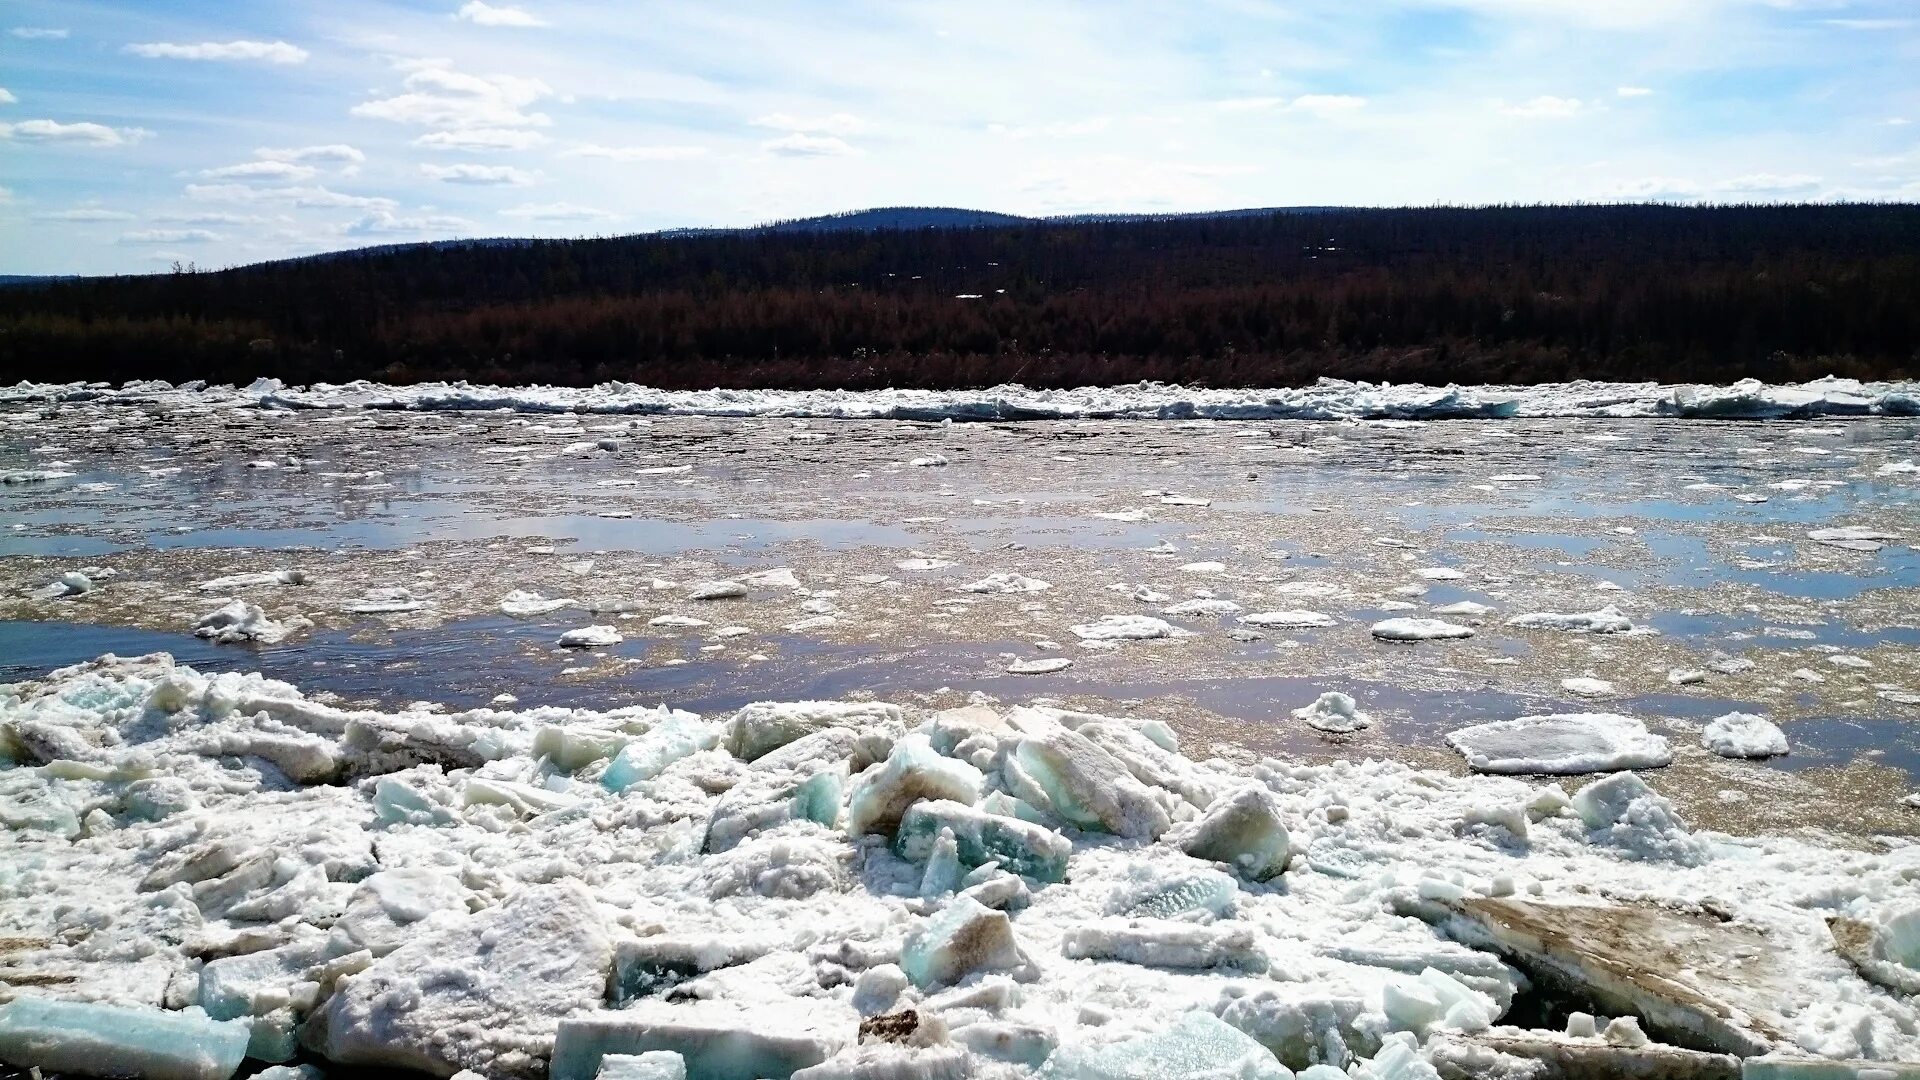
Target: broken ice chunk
{"points": [[1561, 744], [1166, 944], [817, 799], [518, 602], [1288, 620], [469, 990], [1625, 810], [1607, 620], [1006, 583], [1419, 630], [716, 590], [1199, 1046], [1086, 785], [1334, 712], [114, 1040], [717, 1040], [571, 748], [1128, 628], [591, 637], [667, 742], [1243, 830], [1435, 999], [943, 872], [240, 621], [765, 726], [1160, 895], [912, 772], [385, 904], [965, 937], [1743, 735], [1021, 846]]}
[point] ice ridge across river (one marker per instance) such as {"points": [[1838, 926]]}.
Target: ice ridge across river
{"points": [[1328, 399], [198, 871]]}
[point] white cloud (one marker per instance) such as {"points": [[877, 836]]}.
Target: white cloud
{"points": [[273, 52], [6, 195], [210, 217], [1757, 187], [1633, 91], [84, 213], [835, 124], [638, 153], [480, 139], [483, 14], [477, 174], [307, 197], [801, 145], [331, 154], [1061, 130], [83, 133], [1870, 24], [1250, 104], [1545, 107], [560, 211], [440, 97], [1320, 105], [384, 221], [261, 170], [1325, 105], [6, 96], [170, 236], [1770, 186], [39, 33]]}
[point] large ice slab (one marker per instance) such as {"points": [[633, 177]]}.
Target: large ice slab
{"points": [[1561, 744], [1085, 784], [1693, 978], [965, 937], [766, 726], [912, 772], [480, 992], [111, 1040], [1198, 1046], [646, 756], [1244, 830], [717, 1040], [1020, 846]]}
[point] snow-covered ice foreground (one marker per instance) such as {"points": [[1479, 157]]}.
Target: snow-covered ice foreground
{"points": [[1328, 399], [199, 869]]}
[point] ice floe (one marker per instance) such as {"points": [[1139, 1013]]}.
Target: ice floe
{"points": [[1607, 620], [1128, 628], [1334, 712], [1561, 744], [1743, 735], [239, 621], [1410, 629]]}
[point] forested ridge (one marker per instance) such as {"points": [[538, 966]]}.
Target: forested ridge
{"points": [[1502, 294]]}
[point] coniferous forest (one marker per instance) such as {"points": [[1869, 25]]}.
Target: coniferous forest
{"points": [[1502, 294]]}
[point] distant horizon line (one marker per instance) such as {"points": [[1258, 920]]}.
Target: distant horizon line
{"points": [[1080, 217]]}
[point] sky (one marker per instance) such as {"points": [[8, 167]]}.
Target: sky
{"points": [[225, 132]]}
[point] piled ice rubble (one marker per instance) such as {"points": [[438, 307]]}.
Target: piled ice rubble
{"points": [[1328, 399], [196, 869]]}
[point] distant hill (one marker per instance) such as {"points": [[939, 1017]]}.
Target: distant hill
{"points": [[934, 297], [12, 280]]}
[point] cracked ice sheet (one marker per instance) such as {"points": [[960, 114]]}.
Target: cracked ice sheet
{"points": [[118, 913]]}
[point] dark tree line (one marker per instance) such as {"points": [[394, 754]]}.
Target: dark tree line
{"points": [[1509, 294]]}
